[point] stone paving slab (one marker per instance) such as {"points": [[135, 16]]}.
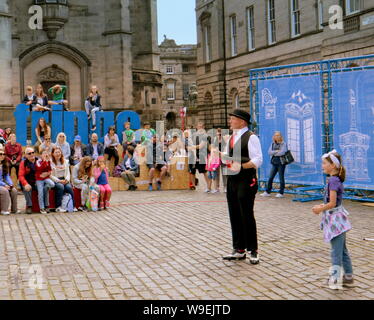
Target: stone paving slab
{"points": [[168, 245]]}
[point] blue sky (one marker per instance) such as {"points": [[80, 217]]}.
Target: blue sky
{"points": [[176, 19]]}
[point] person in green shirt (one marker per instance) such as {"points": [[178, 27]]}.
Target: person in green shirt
{"points": [[58, 95], [147, 133], [128, 137]]}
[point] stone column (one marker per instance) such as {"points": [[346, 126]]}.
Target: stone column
{"points": [[5, 55]]}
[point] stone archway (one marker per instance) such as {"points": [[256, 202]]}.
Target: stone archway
{"points": [[51, 76], [56, 62]]}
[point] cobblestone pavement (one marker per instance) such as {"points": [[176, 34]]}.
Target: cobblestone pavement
{"points": [[168, 245]]}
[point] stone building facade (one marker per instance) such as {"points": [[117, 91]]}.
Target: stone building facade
{"points": [[111, 43], [236, 36], [178, 68]]}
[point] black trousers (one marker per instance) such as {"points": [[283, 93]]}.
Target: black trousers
{"points": [[14, 166], [112, 152], [240, 198]]}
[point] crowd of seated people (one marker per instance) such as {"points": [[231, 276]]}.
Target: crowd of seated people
{"points": [[80, 169]]}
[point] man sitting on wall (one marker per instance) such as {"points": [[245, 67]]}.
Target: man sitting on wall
{"points": [[27, 177], [95, 149], [157, 158]]}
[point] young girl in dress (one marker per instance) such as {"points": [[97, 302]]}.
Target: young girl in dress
{"points": [[102, 180], [212, 166], [335, 223]]}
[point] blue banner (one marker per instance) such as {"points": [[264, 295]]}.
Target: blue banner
{"points": [[293, 107], [353, 116]]}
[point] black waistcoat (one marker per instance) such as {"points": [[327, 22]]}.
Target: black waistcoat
{"points": [[242, 143]]}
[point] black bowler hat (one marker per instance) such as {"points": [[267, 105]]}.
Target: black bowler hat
{"points": [[242, 115]]}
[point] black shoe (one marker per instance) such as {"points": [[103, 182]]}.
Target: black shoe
{"points": [[134, 188], [235, 255], [254, 258], [196, 182]]}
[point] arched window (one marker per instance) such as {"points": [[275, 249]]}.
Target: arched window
{"points": [[235, 100]]}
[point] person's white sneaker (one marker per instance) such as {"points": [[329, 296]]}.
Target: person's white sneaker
{"points": [[265, 194], [279, 195], [75, 210], [5, 213], [59, 209], [215, 191], [207, 191]]}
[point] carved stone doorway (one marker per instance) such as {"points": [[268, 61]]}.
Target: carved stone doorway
{"points": [[51, 76]]}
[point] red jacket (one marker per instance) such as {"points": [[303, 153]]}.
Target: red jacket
{"points": [[13, 150], [26, 174], [41, 167]]}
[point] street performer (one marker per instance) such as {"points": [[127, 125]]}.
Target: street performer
{"points": [[244, 157]]}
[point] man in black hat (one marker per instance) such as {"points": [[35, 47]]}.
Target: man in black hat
{"points": [[245, 157]]}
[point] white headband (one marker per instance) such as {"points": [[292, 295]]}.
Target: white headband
{"points": [[332, 157]]}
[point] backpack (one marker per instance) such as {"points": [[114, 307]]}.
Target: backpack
{"points": [[67, 203], [117, 171]]}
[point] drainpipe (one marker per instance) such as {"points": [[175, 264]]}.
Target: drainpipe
{"points": [[224, 62]]}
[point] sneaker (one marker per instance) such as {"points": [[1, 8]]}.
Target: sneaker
{"points": [[28, 210], [196, 181], [48, 210], [265, 194], [158, 186], [254, 258], [334, 284], [348, 281], [150, 188], [215, 191], [192, 188], [17, 212], [43, 211], [59, 209], [80, 209], [207, 191], [279, 195], [235, 255], [5, 213], [75, 210], [107, 204]]}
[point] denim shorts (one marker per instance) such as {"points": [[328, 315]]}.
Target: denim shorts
{"points": [[212, 175]]}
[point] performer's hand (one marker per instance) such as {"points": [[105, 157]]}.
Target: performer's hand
{"points": [[235, 166], [248, 165]]}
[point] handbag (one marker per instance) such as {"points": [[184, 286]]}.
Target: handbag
{"points": [[334, 223], [287, 158]]}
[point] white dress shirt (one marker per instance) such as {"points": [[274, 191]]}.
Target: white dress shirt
{"points": [[254, 147]]}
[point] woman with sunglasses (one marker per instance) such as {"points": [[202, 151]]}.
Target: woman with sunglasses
{"points": [[47, 145], [8, 194]]}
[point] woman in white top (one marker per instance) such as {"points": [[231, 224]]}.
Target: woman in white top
{"points": [[61, 143], [111, 143], [61, 177]]}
